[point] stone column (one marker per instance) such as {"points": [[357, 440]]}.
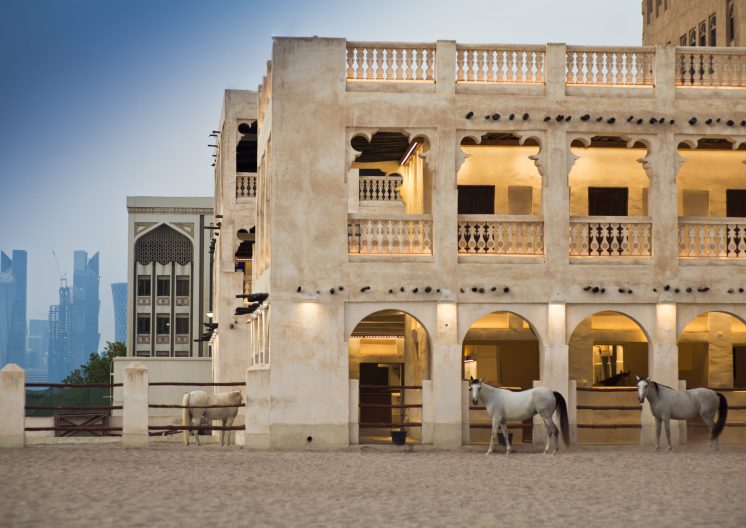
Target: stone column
{"points": [[445, 66], [663, 367], [12, 403], [446, 374], [257, 434], [135, 411]]}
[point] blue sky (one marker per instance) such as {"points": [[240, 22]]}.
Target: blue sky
{"points": [[109, 98]]}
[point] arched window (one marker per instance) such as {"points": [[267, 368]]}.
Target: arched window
{"points": [[713, 32], [731, 37], [163, 245], [702, 33], [693, 37], [246, 148]]}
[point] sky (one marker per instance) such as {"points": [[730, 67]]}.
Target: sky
{"points": [[101, 99]]}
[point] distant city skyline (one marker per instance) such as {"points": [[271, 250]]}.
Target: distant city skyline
{"points": [[101, 100]]}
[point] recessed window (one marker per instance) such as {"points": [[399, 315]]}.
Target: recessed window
{"points": [[607, 201], [476, 199], [731, 10], [735, 200], [713, 32], [143, 285], [648, 11], [162, 325], [182, 324], [683, 40], [693, 37], [143, 324], [182, 286], [163, 286], [657, 7], [702, 33]]}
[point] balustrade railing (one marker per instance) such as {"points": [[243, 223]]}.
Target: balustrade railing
{"points": [[379, 188], [500, 64], [704, 237], [245, 185], [391, 234], [711, 67], [500, 235], [610, 236], [368, 61], [608, 66]]}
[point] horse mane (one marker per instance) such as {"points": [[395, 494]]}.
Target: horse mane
{"points": [[657, 387]]}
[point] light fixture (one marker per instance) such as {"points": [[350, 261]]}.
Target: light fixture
{"points": [[210, 315], [412, 147]]}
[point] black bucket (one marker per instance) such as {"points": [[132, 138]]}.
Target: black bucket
{"points": [[398, 437]]}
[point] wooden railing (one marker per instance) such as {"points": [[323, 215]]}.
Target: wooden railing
{"points": [[245, 185], [705, 237], [610, 236], [388, 61], [610, 66], [711, 67], [379, 188], [500, 235], [511, 64], [390, 234]]}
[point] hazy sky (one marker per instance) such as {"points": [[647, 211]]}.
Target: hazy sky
{"points": [[108, 98]]}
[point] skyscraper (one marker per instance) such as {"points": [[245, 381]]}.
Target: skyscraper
{"points": [[13, 307], [60, 335], [85, 308], [37, 347], [119, 294]]}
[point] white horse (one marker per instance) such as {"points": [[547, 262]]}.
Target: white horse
{"points": [[503, 405], [667, 403], [197, 404]]}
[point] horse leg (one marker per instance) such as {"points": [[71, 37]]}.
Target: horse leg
{"points": [[492, 436], [657, 440], [504, 429], [552, 434], [228, 422], [710, 424], [196, 431], [667, 423]]}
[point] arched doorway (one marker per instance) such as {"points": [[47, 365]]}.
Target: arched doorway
{"points": [[502, 348], [389, 355], [607, 350], [712, 353]]}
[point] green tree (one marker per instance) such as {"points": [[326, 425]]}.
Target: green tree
{"points": [[98, 368]]}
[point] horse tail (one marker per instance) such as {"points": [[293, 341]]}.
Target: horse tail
{"points": [[185, 418], [562, 413], [722, 415]]}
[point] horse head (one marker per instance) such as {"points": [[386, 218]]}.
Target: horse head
{"points": [[475, 385], [643, 385]]}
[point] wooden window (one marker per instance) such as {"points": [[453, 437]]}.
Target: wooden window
{"points": [[607, 201], [476, 199], [703, 33], [143, 286], [693, 37], [143, 324], [163, 286], [731, 24], [713, 31], [735, 203], [162, 325]]}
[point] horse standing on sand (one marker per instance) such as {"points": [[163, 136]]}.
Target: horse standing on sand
{"points": [[503, 405], [667, 403], [198, 404]]}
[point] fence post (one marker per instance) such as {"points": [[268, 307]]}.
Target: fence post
{"points": [[427, 412], [135, 408], [12, 405]]}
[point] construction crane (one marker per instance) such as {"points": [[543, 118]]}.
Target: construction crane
{"points": [[63, 276]]}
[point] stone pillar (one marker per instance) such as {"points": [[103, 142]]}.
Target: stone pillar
{"points": [[555, 63], [720, 349], [445, 67], [12, 403], [465, 416], [257, 434], [446, 374], [555, 363], [663, 367], [354, 419], [135, 411]]}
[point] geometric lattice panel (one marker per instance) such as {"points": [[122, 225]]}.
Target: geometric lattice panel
{"points": [[163, 245]]}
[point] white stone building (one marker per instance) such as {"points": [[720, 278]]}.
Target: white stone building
{"points": [[168, 282], [553, 215]]}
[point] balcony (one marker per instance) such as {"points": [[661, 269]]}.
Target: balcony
{"points": [[516, 235], [610, 236], [380, 191], [389, 234], [712, 238], [246, 185]]}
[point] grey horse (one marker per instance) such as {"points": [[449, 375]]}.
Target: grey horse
{"points": [[667, 403], [196, 404]]}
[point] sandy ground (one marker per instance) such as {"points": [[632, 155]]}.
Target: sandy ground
{"points": [[172, 485]]}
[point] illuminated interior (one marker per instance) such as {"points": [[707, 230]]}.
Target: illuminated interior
{"points": [[608, 349], [389, 348], [608, 163], [712, 351]]}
